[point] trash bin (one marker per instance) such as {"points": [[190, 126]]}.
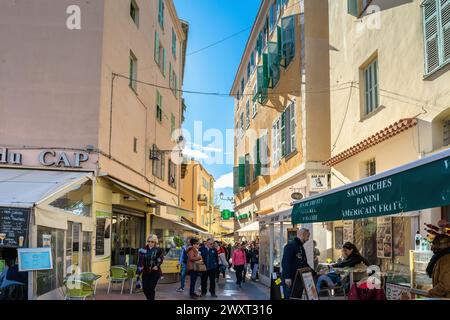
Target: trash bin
{"points": [[275, 286]]}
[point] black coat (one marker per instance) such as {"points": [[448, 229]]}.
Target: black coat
{"points": [[294, 257]]}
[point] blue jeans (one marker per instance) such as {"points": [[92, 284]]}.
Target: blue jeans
{"points": [[193, 275], [286, 290], [183, 275], [325, 278]]}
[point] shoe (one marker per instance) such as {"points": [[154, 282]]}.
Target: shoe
{"points": [[194, 296], [180, 290], [203, 294], [214, 295]]}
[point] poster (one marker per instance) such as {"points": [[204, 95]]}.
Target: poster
{"points": [[46, 240], [338, 238], [384, 237], [318, 182], [310, 287], [348, 231], [398, 228], [395, 292], [31, 259]]}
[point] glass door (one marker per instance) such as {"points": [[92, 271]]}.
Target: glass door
{"points": [[128, 235], [73, 258]]}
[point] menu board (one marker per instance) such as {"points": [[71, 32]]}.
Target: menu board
{"points": [[384, 237], [14, 227], [396, 292], [100, 237]]}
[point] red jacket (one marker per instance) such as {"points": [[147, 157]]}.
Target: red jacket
{"points": [[239, 258]]}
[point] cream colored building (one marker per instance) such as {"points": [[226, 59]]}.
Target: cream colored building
{"points": [[281, 118], [75, 96], [389, 63]]}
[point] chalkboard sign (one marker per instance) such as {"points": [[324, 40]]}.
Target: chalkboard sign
{"points": [[14, 227], [100, 237], [304, 286]]}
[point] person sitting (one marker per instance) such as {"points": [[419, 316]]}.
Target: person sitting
{"points": [[352, 257]]}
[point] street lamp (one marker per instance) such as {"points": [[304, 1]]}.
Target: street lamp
{"points": [[222, 197]]}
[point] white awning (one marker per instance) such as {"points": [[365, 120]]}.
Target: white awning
{"points": [[252, 227], [180, 225], [135, 190], [21, 188]]}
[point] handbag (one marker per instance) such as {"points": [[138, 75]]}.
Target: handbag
{"points": [[199, 266]]}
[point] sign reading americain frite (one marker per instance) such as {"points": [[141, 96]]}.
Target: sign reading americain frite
{"points": [[421, 187]]}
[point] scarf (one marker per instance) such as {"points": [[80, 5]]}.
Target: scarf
{"points": [[434, 260]]}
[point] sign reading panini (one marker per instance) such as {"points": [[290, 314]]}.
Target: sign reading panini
{"points": [[420, 187]]}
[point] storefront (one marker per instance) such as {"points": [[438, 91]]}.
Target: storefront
{"points": [[42, 209], [381, 215]]}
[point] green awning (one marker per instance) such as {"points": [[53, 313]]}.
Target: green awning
{"points": [[422, 184]]}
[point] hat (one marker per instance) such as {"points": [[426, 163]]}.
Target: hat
{"points": [[441, 242], [153, 237]]}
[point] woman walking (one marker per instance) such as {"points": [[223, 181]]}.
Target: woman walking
{"points": [[149, 266], [193, 256], [239, 261]]}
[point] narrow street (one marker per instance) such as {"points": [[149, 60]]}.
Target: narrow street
{"points": [[225, 290]]}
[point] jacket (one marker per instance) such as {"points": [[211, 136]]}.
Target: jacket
{"points": [[254, 256], [193, 255], [351, 261], [294, 257], [248, 255], [239, 258], [150, 258], [183, 249], [211, 259], [441, 278]]}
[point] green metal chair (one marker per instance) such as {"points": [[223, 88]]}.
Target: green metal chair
{"points": [[77, 289], [91, 279], [118, 275], [131, 275]]}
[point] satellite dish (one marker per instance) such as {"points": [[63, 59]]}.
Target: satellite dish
{"points": [[297, 196]]}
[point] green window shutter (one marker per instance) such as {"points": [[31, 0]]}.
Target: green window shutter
{"points": [[287, 31], [164, 62], [273, 64], [352, 7], [170, 76], [283, 134], [242, 172], [258, 158], [431, 34], [287, 135], [131, 72], [174, 44], [247, 170], [156, 53], [445, 22]]}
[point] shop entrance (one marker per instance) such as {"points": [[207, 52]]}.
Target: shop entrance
{"points": [[128, 235]]}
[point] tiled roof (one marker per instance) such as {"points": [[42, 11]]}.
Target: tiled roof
{"points": [[386, 133]]}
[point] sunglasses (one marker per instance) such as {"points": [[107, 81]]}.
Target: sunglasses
{"points": [[149, 241]]}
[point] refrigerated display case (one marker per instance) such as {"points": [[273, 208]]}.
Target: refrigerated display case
{"points": [[418, 263]]}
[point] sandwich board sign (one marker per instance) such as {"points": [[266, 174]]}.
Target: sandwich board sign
{"points": [[304, 286]]}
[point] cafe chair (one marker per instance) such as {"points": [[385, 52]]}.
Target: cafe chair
{"points": [[118, 275], [90, 278], [131, 276], [77, 289]]}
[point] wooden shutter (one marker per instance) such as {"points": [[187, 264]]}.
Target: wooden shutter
{"points": [[283, 134], [445, 22], [273, 64], [156, 54], [258, 158], [430, 16], [287, 135], [242, 172], [163, 69]]}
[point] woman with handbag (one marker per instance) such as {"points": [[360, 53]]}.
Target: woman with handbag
{"points": [[194, 266], [149, 266]]}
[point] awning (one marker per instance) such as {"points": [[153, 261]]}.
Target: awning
{"points": [[136, 190], [421, 184], [181, 225], [279, 216], [252, 227], [21, 188]]}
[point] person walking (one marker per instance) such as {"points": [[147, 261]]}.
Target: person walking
{"points": [[193, 256], [439, 267], [182, 263], [229, 254], [211, 259], [223, 263], [149, 266], [254, 260], [239, 262], [294, 257], [246, 248]]}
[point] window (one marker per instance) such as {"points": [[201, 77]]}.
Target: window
{"points": [[436, 21], [287, 40], [247, 114], [284, 138], [276, 143], [78, 200], [238, 96], [205, 183], [135, 141], [371, 87], [446, 132], [172, 174], [257, 159], [158, 106], [160, 55], [247, 169], [173, 81], [371, 168], [174, 44], [134, 12], [161, 13], [252, 62], [356, 7], [242, 86], [248, 70], [172, 124], [272, 17], [133, 72], [159, 163], [255, 105], [241, 125]]}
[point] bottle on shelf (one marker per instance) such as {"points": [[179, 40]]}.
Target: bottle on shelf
{"points": [[432, 232], [418, 239], [432, 227]]}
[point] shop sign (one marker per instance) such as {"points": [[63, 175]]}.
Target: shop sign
{"points": [[420, 187], [318, 182], [31, 259], [13, 227], [396, 292]]}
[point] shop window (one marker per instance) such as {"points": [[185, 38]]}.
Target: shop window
{"points": [[338, 237], [371, 168], [48, 280], [77, 201], [134, 12]]}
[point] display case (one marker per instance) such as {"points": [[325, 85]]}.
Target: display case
{"points": [[418, 264], [169, 267]]}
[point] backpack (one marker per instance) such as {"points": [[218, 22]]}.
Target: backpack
{"points": [[185, 256]]}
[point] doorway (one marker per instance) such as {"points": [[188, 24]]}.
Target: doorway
{"points": [[128, 235]]}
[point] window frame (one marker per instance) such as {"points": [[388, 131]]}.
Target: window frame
{"points": [[371, 81], [134, 6], [133, 71]]}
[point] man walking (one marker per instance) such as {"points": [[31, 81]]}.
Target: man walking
{"points": [[211, 260], [182, 263], [294, 257], [254, 260]]}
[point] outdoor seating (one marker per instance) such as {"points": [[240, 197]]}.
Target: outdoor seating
{"points": [[90, 278], [77, 289], [131, 275], [118, 275]]}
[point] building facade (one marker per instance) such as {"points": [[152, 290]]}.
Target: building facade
{"points": [[78, 94], [281, 91], [391, 61]]}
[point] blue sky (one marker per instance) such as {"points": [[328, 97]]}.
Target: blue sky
{"points": [[213, 70]]}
